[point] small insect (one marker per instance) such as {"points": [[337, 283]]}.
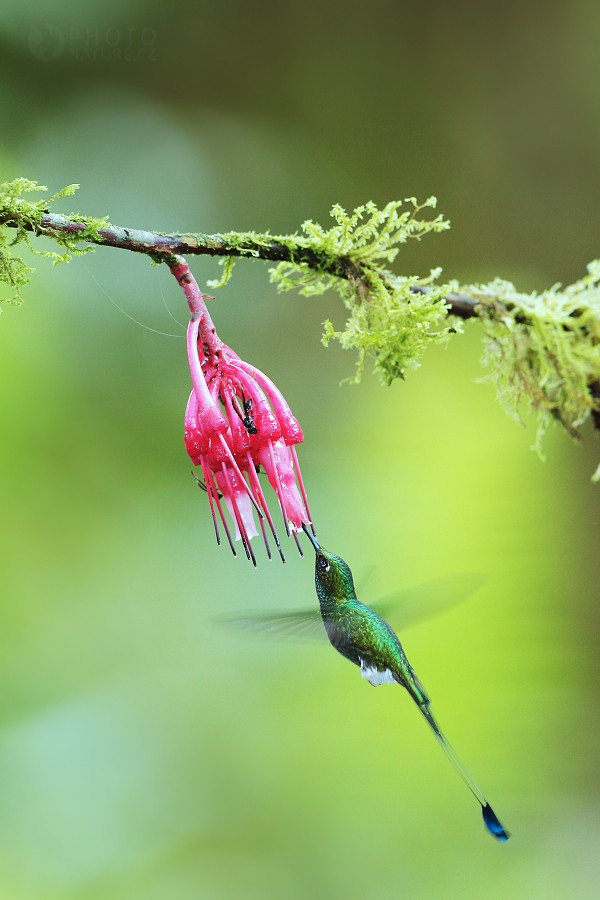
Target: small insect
{"points": [[201, 484], [247, 419]]}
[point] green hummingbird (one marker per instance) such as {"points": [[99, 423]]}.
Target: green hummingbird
{"points": [[364, 637]]}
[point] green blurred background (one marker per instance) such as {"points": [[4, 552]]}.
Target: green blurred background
{"points": [[144, 751]]}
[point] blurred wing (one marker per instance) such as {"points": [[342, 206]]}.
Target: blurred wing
{"points": [[365, 577], [301, 624], [401, 609], [414, 605]]}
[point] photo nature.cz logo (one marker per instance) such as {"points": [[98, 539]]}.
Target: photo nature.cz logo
{"points": [[50, 43]]}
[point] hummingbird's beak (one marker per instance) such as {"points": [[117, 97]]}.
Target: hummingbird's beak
{"points": [[311, 538]]}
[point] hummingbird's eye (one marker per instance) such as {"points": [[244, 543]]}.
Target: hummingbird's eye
{"points": [[323, 564]]}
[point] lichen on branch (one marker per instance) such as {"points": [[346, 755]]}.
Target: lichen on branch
{"points": [[544, 349], [26, 216], [389, 320]]}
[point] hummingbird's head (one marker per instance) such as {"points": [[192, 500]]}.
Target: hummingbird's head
{"points": [[333, 578]]}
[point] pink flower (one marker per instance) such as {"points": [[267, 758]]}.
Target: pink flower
{"points": [[237, 424]]}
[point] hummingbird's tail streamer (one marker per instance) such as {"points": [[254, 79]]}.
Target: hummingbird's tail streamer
{"points": [[492, 823]]}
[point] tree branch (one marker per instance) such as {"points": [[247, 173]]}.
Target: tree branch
{"points": [[543, 346], [162, 247]]}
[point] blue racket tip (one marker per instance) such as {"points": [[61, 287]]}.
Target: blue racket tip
{"points": [[492, 823]]}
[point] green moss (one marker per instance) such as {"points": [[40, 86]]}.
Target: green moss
{"points": [[25, 216], [544, 349], [227, 263], [91, 232], [388, 321]]}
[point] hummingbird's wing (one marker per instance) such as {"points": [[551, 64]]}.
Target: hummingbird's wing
{"points": [[302, 624], [411, 606], [402, 609]]}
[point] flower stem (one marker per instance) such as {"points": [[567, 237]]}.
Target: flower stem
{"points": [[195, 298]]}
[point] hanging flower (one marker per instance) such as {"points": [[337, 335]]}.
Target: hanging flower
{"points": [[238, 424]]}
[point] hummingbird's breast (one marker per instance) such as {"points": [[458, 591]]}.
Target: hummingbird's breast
{"points": [[362, 636]]}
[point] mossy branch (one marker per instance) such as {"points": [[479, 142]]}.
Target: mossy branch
{"points": [[544, 348]]}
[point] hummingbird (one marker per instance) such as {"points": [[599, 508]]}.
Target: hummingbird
{"points": [[363, 636]]}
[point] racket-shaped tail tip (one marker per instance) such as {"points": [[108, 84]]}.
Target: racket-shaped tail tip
{"points": [[492, 823]]}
